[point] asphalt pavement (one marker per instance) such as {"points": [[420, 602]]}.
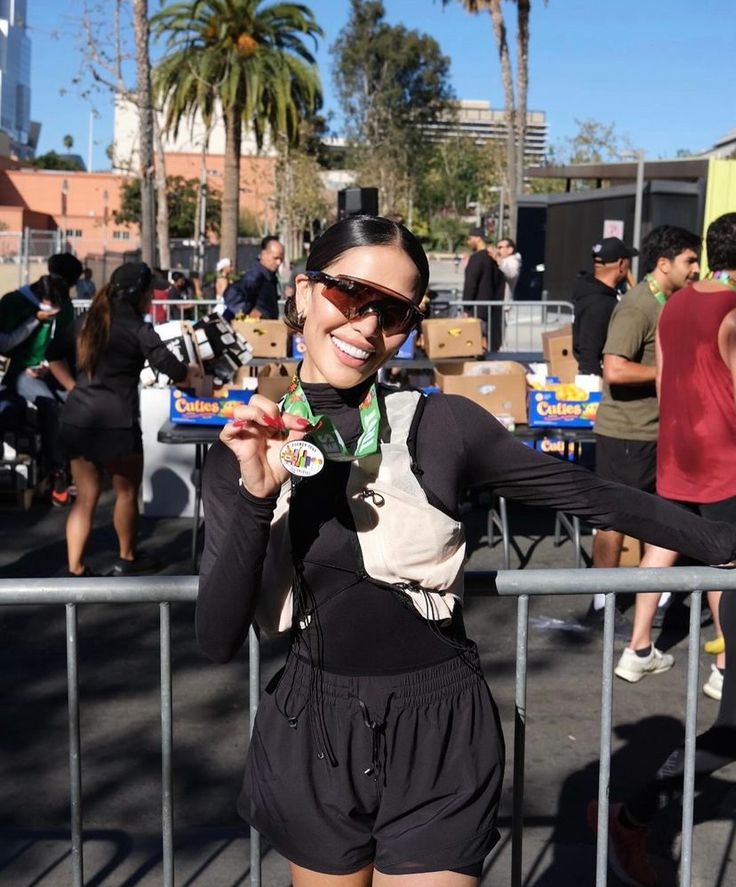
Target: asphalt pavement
{"points": [[119, 678]]}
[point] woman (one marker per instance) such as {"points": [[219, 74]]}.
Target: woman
{"points": [[101, 423], [377, 755]]}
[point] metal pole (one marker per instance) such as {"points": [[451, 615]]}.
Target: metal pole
{"points": [[167, 747], [517, 815], [604, 774], [254, 694], [638, 207], [75, 750], [691, 726]]}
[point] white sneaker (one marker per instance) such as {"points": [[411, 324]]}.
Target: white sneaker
{"points": [[714, 685], [633, 668]]}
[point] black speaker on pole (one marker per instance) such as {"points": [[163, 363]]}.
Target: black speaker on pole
{"points": [[357, 202]]}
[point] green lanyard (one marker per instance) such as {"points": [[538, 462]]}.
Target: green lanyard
{"points": [[326, 436], [655, 289], [723, 277]]}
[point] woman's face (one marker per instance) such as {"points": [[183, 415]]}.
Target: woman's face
{"points": [[345, 352]]}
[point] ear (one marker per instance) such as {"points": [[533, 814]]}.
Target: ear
{"points": [[303, 292]]}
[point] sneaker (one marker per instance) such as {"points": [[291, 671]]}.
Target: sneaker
{"points": [[140, 565], [633, 668], [716, 646], [85, 574], [60, 497], [627, 848], [713, 687]]}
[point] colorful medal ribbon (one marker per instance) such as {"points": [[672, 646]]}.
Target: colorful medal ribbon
{"points": [[724, 277], [655, 289], [326, 436]]}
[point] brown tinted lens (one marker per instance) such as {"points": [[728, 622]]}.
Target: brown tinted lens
{"points": [[394, 316]]}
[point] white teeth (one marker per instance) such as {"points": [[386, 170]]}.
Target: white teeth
{"points": [[358, 353]]}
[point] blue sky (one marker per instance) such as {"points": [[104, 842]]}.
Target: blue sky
{"points": [[662, 72]]}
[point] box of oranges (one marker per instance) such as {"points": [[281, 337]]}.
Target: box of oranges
{"points": [[562, 405]]}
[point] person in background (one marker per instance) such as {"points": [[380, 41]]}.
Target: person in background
{"points": [[223, 271], [484, 282], [509, 261], [40, 363], [256, 294], [100, 423], [181, 290], [696, 384], [594, 297], [85, 286]]}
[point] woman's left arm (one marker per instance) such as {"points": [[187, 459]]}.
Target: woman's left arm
{"points": [[494, 457]]}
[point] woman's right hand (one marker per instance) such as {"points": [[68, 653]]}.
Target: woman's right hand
{"points": [[256, 435]]}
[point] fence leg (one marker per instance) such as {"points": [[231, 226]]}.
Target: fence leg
{"points": [[75, 750], [167, 745], [604, 776], [517, 815], [691, 715], [254, 694]]}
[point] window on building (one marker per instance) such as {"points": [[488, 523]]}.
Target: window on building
{"points": [[73, 232], [121, 235]]}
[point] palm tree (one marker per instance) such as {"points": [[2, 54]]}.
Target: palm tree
{"points": [[515, 106], [68, 142], [251, 59]]}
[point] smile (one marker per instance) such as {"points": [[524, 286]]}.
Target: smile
{"points": [[350, 350]]}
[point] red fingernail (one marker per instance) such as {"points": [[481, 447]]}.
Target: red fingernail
{"points": [[303, 423], [239, 423], [272, 422]]}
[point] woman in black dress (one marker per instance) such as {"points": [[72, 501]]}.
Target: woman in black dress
{"points": [[100, 423]]}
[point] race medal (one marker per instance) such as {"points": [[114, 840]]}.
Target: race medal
{"points": [[302, 458]]}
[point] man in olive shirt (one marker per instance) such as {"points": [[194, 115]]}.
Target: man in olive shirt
{"points": [[628, 416]]}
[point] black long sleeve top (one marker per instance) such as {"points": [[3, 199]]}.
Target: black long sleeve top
{"points": [[109, 398], [363, 628]]}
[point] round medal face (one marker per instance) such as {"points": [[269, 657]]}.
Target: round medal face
{"points": [[302, 458]]}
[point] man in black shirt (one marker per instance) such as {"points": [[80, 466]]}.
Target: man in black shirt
{"points": [[256, 294], [595, 296], [484, 282]]}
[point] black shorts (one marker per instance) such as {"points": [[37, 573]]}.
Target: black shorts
{"points": [[400, 771], [629, 462], [100, 445], [725, 510]]}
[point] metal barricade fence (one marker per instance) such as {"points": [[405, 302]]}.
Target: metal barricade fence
{"points": [[165, 590], [523, 322]]}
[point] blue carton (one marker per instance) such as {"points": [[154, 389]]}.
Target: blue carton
{"points": [[406, 352], [297, 346], [188, 409], [545, 409]]}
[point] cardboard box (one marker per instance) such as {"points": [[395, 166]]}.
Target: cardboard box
{"points": [[499, 386], [189, 409], [267, 338], [557, 350], [452, 337], [545, 409], [274, 380], [630, 553]]}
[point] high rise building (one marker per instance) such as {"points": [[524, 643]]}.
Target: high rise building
{"points": [[478, 121], [15, 78]]}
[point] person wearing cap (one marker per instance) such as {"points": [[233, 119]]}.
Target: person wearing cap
{"points": [[223, 270], [484, 282], [39, 369], [100, 423], [595, 296], [628, 415]]}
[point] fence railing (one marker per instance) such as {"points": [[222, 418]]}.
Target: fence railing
{"points": [[165, 590]]}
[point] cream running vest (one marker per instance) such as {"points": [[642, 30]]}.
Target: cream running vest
{"points": [[405, 541]]}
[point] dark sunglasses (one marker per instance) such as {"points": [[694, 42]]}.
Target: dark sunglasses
{"points": [[353, 297]]}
